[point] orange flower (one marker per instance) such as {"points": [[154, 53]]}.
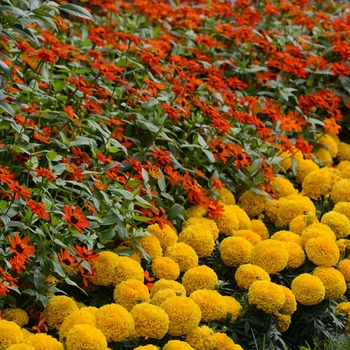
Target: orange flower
{"points": [[17, 263], [66, 259], [331, 126], [39, 209], [21, 247], [18, 190], [75, 217]]}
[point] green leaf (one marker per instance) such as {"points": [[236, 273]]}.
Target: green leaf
{"points": [[141, 218], [7, 108], [38, 279], [110, 219], [76, 11], [6, 69], [34, 4], [126, 194], [175, 211], [25, 32]]}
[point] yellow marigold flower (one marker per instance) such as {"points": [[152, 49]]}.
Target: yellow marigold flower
{"points": [[224, 342], [283, 187], [252, 203], [167, 236], [272, 208], [164, 294], [205, 223], [338, 223], [147, 347], [308, 289], [177, 345], [235, 251], [18, 316], [249, 235], [26, 333], [115, 322], [344, 269], [228, 221], [343, 151], [343, 308], [199, 238], [211, 303], [271, 255], [333, 281], [286, 236], [233, 307], [21, 346], [163, 267], [184, 315], [183, 254], [85, 336], [316, 230], [136, 256], [329, 144], [343, 208], [304, 168], [345, 173], [247, 274], [151, 245], [283, 321], [260, 228], [334, 137], [343, 164], [10, 333], [58, 308], [266, 296], [296, 255], [243, 218], [290, 305], [201, 338], [199, 277], [82, 316], [300, 222], [293, 206], [323, 156], [341, 191], [196, 210], [130, 292], [226, 196], [150, 321], [342, 245], [322, 251], [286, 163], [42, 341], [167, 284], [105, 266], [126, 269]]}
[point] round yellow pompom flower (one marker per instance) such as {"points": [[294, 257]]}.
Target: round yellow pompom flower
{"points": [[329, 144], [224, 342], [228, 220], [167, 235], [266, 296], [201, 338], [290, 305], [322, 155], [235, 251], [115, 322], [316, 230], [283, 321], [42, 341], [196, 210], [283, 187], [322, 251], [163, 267], [338, 223], [126, 269], [183, 254], [200, 277], [164, 294], [343, 308], [271, 255], [286, 236], [150, 321], [243, 219], [18, 316], [177, 345], [344, 269], [249, 235], [343, 151], [260, 228], [226, 196], [300, 222], [318, 183], [147, 347], [343, 208], [10, 333], [252, 203], [333, 281], [296, 255], [247, 274], [308, 289], [105, 266], [20, 346], [150, 244], [341, 191], [184, 315], [204, 223], [129, 293], [305, 167], [233, 307], [85, 336], [167, 284]]}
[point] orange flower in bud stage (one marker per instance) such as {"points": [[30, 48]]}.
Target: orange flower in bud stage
{"points": [[75, 218], [20, 246], [17, 263], [19, 190], [38, 208]]}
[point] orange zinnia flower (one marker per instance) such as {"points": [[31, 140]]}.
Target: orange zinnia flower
{"points": [[18, 190], [75, 217], [38, 208], [21, 247]]}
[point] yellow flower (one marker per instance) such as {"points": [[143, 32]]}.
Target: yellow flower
{"points": [[308, 289], [286, 163], [228, 221], [316, 230], [167, 284], [115, 322], [199, 238], [344, 269], [271, 209], [343, 151], [105, 266], [18, 316], [343, 208], [150, 244], [130, 292], [290, 305], [249, 235], [200, 277], [163, 267], [283, 321], [85, 336], [243, 219], [341, 191], [126, 269], [226, 196], [147, 347], [183, 254], [58, 308], [283, 187], [42, 341], [286, 236], [333, 281], [202, 338], [338, 223], [21, 346], [224, 342], [167, 236], [343, 308], [252, 203], [233, 307], [184, 315], [300, 222], [211, 303], [164, 294], [235, 251], [150, 321], [10, 333], [305, 167], [266, 296], [205, 223], [260, 228], [322, 155], [296, 255], [247, 274], [26, 333], [322, 251], [82, 316], [196, 210], [343, 164], [271, 255], [334, 137], [177, 345]]}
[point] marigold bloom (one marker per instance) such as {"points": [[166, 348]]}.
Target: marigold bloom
{"points": [[204, 224], [224, 342], [305, 167], [252, 203], [196, 210], [343, 308], [308, 289], [18, 316], [20, 246], [10, 333], [228, 221], [177, 345], [283, 321], [163, 294], [247, 274], [105, 266], [290, 305], [201, 338], [333, 281], [260, 228], [341, 191], [183, 254], [226, 196], [249, 235], [127, 268], [344, 269], [167, 235], [21, 346], [75, 217], [167, 284], [300, 222], [322, 251], [200, 277], [338, 223], [150, 245], [163, 267], [233, 307], [343, 208], [235, 251], [283, 187], [329, 144], [85, 336], [316, 230], [286, 236]]}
